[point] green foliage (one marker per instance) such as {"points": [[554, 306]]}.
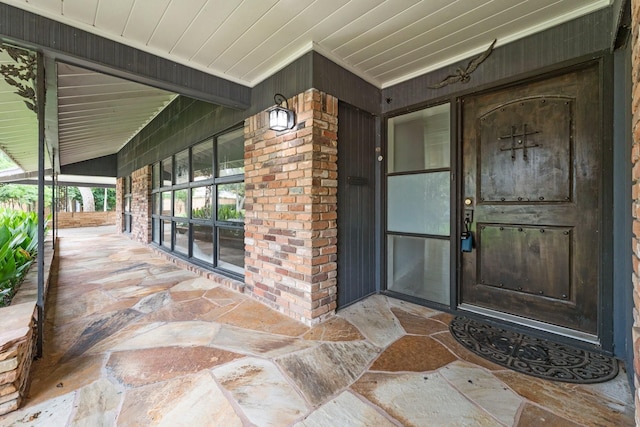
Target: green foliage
{"points": [[98, 196], [6, 162], [18, 195], [202, 213], [18, 249], [229, 212]]}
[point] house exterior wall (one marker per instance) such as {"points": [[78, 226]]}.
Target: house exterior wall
{"points": [[141, 204], [635, 160], [290, 226], [119, 204]]}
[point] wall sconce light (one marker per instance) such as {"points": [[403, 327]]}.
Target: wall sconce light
{"points": [[281, 118]]}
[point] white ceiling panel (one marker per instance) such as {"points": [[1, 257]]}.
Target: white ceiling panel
{"points": [[273, 52], [175, 22], [203, 26], [278, 16], [112, 19], [239, 22], [81, 10], [98, 114], [144, 19], [371, 18]]}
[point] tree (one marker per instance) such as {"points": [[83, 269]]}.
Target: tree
{"points": [[88, 203]]}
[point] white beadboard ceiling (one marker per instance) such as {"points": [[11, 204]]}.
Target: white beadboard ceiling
{"points": [[245, 41], [98, 114]]}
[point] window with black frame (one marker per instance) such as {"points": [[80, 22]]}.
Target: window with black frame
{"points": [[127, 217], [198, 203]]}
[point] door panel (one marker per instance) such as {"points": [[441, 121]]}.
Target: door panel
{"points": [[532, 169], [356, 209]]}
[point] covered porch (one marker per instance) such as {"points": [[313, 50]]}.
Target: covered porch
{"points": [[132, 339]]}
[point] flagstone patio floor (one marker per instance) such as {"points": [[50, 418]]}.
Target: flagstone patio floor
{"points": [[132, 340]]}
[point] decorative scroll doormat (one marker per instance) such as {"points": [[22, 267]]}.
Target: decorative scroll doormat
{"points": [[533, 356]]}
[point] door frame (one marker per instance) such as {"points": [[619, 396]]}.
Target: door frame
{"points": [[604, 60], [604, 342]]}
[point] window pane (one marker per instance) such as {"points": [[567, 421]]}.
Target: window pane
{"points": [[180, 203], [231, 249], [419, 140], [181, 237], [203, 243], [202, 158], [167, 171], [182, 167], [166, 234], [201, 203], [419, 267], [419, 203], [155, 176], [166, 203], [231, 202], [230, 154], [127, 185], [127, 204], [156, 231], [155, 204]]}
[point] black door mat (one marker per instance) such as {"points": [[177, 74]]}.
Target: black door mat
{"points": [[533, 356]]}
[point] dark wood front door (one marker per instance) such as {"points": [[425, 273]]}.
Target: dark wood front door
{"points": [[531, 176]]}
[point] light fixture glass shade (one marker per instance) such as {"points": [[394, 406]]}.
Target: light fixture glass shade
{"points": [[281, 119]]}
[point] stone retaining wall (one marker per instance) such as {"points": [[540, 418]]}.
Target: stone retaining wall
{"points": [[18, 337], [85, 219]]}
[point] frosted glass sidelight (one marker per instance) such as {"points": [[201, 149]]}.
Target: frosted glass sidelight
{"points": [[419, 267], [419, 203]]}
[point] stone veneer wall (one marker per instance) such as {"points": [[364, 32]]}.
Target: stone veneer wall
{"points": [[17, 342], [635, 159], [18, 336], [290, 226]]}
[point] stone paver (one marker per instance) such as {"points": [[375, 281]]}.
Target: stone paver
{"points": [[132, 340]]}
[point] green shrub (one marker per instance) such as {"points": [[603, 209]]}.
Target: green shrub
{"points": [[18, 249]]}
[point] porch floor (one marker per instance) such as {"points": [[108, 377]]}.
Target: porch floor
{"points": [[132, 340]]}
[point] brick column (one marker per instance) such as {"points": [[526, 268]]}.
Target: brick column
{"points": [[290, 225], [119, 204], [635, 159], [141, 204]]}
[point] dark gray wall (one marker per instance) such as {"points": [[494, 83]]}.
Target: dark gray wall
{"points": [[101, 166], [622, 227], [528, 56]]}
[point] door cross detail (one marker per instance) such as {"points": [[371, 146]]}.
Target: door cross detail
{"points": [[519, 141]]}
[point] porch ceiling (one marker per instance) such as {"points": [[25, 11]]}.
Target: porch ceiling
{"points": [[383, 41], [245, 41], [98, 114]]}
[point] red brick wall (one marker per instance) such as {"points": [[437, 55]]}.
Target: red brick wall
{"points": [[290, 226], [119, 204], [635, 159], [141, 204]]}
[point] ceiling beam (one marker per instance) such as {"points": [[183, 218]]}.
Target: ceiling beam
{"points": [[70, 44]]}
